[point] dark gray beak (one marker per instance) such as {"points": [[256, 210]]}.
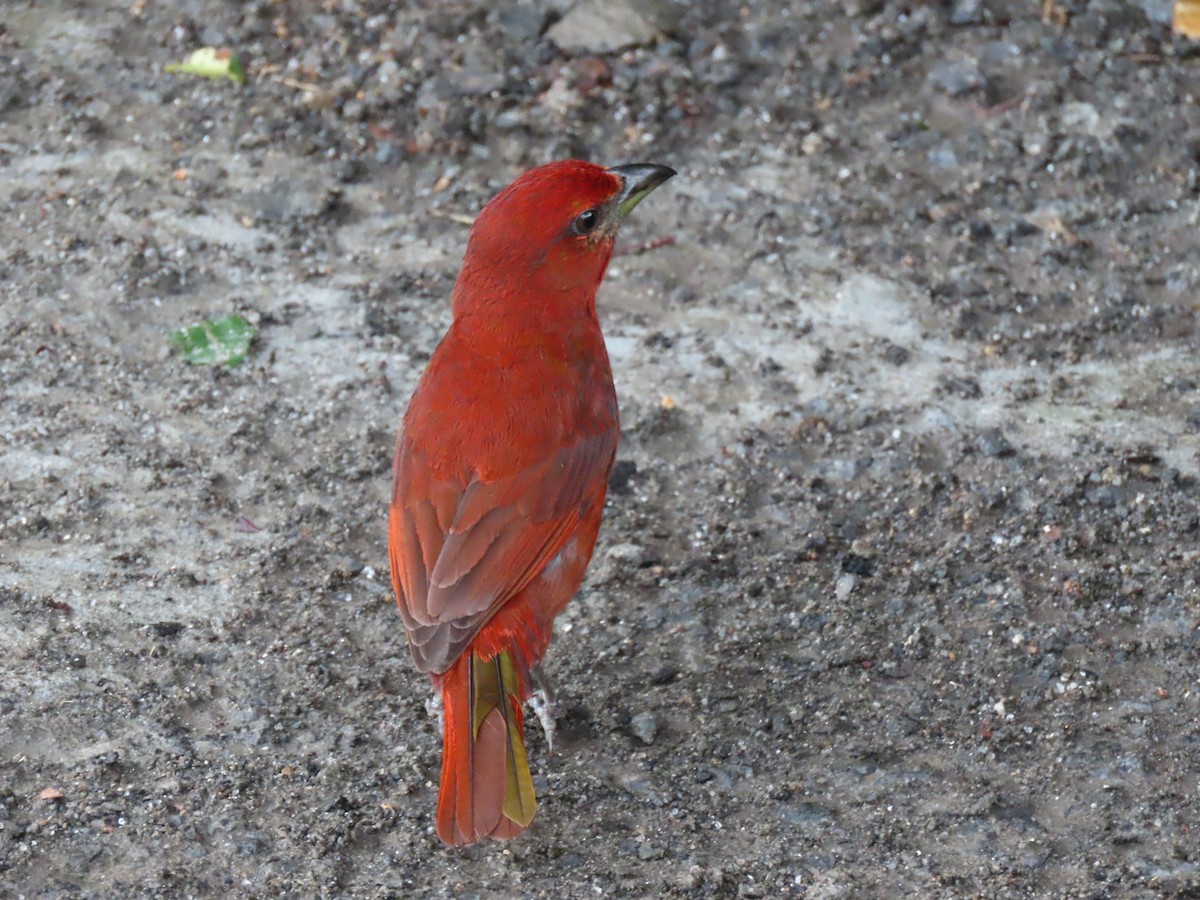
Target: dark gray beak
{"points": [[639, 180]]}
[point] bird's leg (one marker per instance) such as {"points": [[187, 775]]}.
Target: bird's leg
{"points": [[433, 707], [543, 704]]}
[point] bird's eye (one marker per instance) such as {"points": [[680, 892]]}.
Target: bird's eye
{"points": [[586, 222]]}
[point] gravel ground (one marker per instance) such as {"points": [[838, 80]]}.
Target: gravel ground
{"points": [[897, 593]]}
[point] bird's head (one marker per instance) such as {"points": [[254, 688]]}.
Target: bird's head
{"points": [[552, 230]]}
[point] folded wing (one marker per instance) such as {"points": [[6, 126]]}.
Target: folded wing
{"points": [[459, 550]]}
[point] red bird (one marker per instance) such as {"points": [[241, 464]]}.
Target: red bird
{"points": [[501, 468]]}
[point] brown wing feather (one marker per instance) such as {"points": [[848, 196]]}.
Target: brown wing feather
{"points": [[450, 580]]}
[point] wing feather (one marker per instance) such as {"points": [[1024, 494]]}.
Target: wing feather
{"points": [[463, 550], [459, 551]]}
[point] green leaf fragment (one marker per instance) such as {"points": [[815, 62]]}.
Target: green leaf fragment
{"points": [[214, 342], [212, 62]]}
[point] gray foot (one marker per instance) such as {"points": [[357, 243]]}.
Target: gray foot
{"points": [[544, 706]]}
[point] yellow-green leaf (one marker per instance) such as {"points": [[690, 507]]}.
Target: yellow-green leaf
{"points": [[212, 62], [215, 342]]}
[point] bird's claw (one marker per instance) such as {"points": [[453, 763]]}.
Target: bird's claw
{"points": [[544, 704], [546, 709]]}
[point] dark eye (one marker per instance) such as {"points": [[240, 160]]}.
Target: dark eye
{"points": [[586, 222]]}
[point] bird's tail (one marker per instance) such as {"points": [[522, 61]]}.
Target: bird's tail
{"points": [[486, 787]]}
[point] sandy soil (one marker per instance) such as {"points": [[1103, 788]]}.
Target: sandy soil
{"points": [[897, 592]]}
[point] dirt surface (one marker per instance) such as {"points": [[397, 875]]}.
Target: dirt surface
{"points": [[897, 591]]}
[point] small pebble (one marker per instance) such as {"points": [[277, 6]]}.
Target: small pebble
{"points": [[649, 851], [966, 12], [630, 554], [844, 585], [596, 27], [956, 76], [993, 443], [644, 727]]}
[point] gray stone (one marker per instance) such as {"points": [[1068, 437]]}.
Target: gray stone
{"points": [[644, 727], [595, 27], [956, 76], [966, 12]]}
